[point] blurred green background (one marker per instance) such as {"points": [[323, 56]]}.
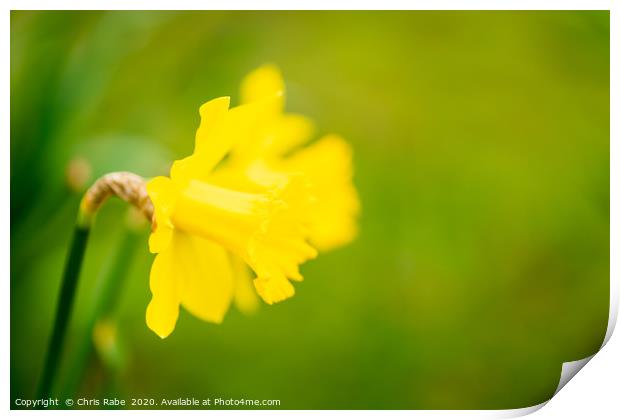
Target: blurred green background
{"points": [[482, 159]]}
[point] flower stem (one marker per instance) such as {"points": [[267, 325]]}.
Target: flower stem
{"points": [[130, 188], [70, 277], [105, 299]]}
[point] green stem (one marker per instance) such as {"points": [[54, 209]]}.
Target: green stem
{"points": [[104, 304], [131, 188], [65, 304]]}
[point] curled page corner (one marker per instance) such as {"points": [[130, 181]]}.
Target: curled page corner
{"points": [[520, 412], [613, 312], [570, 369]]}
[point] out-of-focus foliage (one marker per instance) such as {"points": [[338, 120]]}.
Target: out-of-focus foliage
{"points": [[482, 159]]}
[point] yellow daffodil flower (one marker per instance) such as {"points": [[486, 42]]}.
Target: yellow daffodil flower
{"points": [[261, 208], [199, 226]]}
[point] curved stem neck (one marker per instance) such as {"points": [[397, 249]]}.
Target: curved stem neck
{"points": [[127, 186]]}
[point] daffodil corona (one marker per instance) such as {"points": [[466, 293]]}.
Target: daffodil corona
{"points": [[262, 207]]}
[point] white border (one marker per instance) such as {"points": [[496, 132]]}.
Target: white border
{"points": [[313, 5], [600, 379]]}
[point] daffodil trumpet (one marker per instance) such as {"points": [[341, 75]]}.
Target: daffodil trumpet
{"points": [[128, 187]]}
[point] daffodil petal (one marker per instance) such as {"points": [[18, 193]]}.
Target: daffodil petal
{"points": [[212, 142], [160, 239], [163, 310], [205, 277], [274, 289], [212, 113], [263, 83], [228, 130], [245, 297], [286, 133], [163, 195], [327, 163]]}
